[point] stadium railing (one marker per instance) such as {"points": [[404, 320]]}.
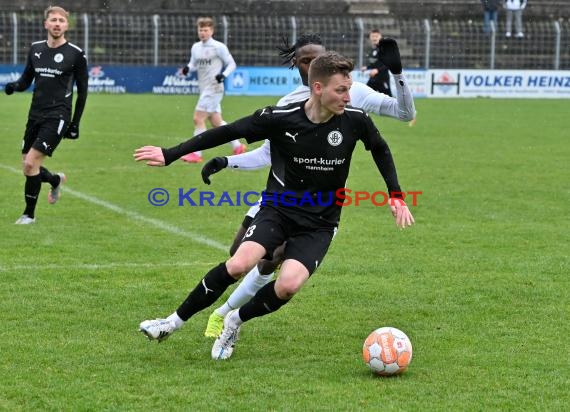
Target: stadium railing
{"points": [[160, 40]]}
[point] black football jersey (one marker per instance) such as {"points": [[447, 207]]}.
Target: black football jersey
{"points": [[54, 70], [309, 162]]}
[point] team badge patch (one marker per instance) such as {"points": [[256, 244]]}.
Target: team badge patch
{"points": [[58, 58], [334, 138]]}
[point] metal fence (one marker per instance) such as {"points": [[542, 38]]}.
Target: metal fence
{"points": [[137, 39]]}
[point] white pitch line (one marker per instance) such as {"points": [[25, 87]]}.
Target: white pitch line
{"points": [[154, 222], [196, 237]]}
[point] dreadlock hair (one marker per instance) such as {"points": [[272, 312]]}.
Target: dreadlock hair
{"points": [[287, 52]]}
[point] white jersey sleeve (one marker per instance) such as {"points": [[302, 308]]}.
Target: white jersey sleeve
{"points": [[400, 107], [192, 64], [256, 159], [298, 95], [226, 58]]}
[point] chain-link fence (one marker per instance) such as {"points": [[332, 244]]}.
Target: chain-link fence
{"points": [[151, 39]]}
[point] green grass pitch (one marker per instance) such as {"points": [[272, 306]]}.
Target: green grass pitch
{"points": [[479, 284]]}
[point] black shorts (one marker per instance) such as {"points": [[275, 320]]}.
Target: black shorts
{"points": [[246, 221], [271, 228], [43, 135]]}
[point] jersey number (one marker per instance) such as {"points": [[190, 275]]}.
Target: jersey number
{"points": [[249, 231]]}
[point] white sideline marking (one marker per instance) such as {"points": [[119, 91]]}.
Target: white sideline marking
{"points": [[137, 216], [154, 222]]}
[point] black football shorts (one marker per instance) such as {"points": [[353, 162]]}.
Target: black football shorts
{"points": [[43, 135], [270, 228]]}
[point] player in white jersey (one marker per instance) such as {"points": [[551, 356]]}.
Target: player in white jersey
{"points": [[305, 50], [213, 62]]}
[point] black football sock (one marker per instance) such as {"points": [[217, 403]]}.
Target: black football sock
{"points": [[49, 177], [31, 192], [264, 302], [206, 292]]}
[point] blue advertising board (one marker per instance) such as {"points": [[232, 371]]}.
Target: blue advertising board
{"points": [[278, 81], [262, 81], [125, 79], [267, 81]]}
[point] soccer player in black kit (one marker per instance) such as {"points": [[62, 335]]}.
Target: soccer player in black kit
{"points": [[55, 65], [311, 149]]}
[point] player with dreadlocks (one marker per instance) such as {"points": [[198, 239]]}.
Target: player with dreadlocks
{"points": [[300, 55]]}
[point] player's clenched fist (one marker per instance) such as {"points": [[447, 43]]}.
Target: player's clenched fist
{"points": [[72, 131], [9, 88], [389, 54], [213, 166]]}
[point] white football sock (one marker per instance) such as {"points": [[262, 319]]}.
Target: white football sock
{"points": [[248, 287], [175, 319]]}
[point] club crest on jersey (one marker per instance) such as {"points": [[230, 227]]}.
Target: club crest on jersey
{"points": [[334, 138], [58, 58]]}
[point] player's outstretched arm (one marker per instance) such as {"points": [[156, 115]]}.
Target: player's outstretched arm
{"points": [[152, 154], [401, 213], [157, 156], [400, 107]]}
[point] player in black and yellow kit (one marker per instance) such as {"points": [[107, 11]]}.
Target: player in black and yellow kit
{"points": [[55, 65], [311, 149]]}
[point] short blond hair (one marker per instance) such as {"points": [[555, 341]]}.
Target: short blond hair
{"points": [[205, 22], [55, 9]]}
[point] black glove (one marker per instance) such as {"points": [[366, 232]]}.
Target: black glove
{"points": [[389, 55], [10, 88], [72, 131], [213, 166], [185, 70], [220, 78]]}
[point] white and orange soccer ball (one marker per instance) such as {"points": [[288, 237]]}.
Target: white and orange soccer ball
{"points": [[387, 351]]}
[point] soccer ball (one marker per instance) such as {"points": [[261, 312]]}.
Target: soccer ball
{"points": [[387, 351]]}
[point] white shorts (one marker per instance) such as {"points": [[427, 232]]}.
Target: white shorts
{"points": [[210, 103]]}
